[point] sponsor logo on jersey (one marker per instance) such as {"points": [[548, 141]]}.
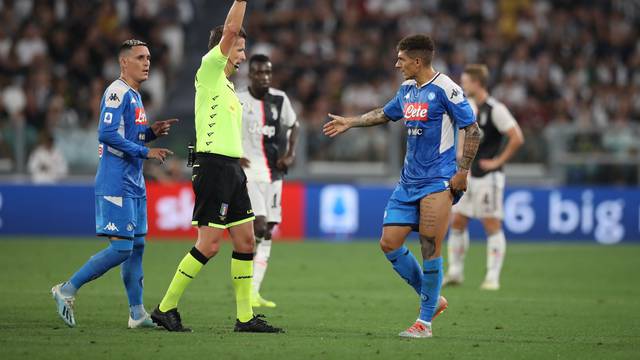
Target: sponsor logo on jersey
{"points": [[265, 130], [141, 116], [108, 118], [142, 136], [111, 227], [100, 150], [416, 111], [415, 131]]}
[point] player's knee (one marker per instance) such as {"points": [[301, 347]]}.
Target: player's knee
{"points": [[492, 226], [429, 246], [209, 250], [244, 246], [208, 245], [260, 232], [260, 227], [122, 247], [459, 222], [387, 245], [138, 245]]}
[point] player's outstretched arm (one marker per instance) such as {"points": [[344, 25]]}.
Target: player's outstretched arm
{"points": [[232, 26], [471, 143], [159, 154], [159, 129], [339, 124]]}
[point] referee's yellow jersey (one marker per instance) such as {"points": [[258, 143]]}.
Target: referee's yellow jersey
{"points": [[218, 112]]}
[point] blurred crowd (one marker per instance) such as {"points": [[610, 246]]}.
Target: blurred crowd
{"points": [[58, 56], [568, 70], [554, 63]]}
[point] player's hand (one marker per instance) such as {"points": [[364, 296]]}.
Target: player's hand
{"points": [[284, 162], [459, 181], [162, 127], [337, 125], [159, 154], [489, 164], [244, 162]]}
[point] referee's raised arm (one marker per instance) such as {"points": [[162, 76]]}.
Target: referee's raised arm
{"points": [[232, 26]]}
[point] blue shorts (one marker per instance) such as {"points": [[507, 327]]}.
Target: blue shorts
{"points": [[121, 217], [403, 208]]}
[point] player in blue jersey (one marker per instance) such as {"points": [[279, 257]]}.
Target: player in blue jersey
{"points": [[433, 108], [121, 209]]}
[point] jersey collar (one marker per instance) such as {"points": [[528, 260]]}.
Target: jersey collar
{"points": [[124, 82], [428, 82]]}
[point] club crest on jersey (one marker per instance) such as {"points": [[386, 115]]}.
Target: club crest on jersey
{"points": [[416, 111], [141, 116], [223, 209]]}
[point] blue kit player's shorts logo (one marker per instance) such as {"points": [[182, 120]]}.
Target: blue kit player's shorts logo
{"points": [[121, 217]]}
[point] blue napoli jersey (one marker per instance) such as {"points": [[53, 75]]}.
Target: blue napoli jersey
{"points": [[122, 133], [432, 114]]}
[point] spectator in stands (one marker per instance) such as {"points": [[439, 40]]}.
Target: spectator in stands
{"points": [[46, 164], [54, 54], [555, 59]]}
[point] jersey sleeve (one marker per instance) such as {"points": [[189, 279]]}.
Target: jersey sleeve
{"points": [[112, 110], [289, 117], [212, 65], [393, 109], [458, 106], [502, 118], [149, 135]]}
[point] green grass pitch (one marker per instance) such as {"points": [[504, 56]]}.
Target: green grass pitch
{"points": [[337, 301]]}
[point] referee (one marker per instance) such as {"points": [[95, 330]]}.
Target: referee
{"points": [[219, 183]]}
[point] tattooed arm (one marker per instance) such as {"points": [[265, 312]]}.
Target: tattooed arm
{"points": [[471, 143], [339, 124]]}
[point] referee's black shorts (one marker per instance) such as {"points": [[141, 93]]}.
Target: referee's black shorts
{"points": [[220, 186]]}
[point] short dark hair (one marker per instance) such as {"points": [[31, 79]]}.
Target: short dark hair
{"points": [[215, 35], [478, 72], [418, 46], [131, 43], [258, 58]]}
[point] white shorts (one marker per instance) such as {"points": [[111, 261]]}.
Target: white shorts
{"points": [[266, 199], [483, 198]]}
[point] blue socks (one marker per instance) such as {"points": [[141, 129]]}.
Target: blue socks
{"points": [[132, 276], [406, 265], [430, 291], [117, 252]]}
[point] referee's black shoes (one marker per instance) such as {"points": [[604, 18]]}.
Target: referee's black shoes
{"points": [[169, 320], [257, 325]]}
